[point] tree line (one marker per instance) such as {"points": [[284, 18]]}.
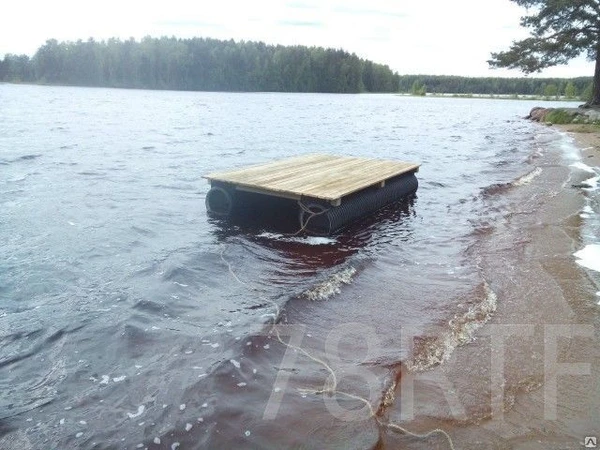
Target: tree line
{"points": [[198, 64], [203, 64], [575, 88]]}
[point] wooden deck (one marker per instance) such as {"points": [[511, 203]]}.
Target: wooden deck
{"points": [[319, 176]]}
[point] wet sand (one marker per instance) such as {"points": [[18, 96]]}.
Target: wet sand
{"points": [[587, 138], [531, 377]]}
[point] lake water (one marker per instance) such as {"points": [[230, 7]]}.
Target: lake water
{"points": [[129, 319]]}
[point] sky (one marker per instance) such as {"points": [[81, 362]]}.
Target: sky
{"points": [[434, 37]]}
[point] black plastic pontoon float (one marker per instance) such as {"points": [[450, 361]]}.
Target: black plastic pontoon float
{"points": [[330, 191]]}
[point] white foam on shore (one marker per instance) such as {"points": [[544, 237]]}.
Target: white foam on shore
{"points": [[589, 257], [582, 166], [569, 149], [592, 183], [573, 153]]}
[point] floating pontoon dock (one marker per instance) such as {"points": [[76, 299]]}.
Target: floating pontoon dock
{"points": [[330, 191]]}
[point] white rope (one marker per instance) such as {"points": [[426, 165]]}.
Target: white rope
{"points": [[311, 214], [400, 429], [332, 390]]}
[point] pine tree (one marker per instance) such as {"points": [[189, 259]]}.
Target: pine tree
{"points": [[560, 31]]}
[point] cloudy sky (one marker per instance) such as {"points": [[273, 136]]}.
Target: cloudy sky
{"points": [[453, 37]]}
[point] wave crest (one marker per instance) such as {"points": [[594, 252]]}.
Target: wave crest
{"points": [[433, 351], [331, 286]]}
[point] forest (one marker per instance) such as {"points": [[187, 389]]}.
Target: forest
{"points": [[198, 64], [203, 64], [575, 88]]}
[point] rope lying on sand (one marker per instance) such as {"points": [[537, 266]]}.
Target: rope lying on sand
{"points": [[331, 387]]}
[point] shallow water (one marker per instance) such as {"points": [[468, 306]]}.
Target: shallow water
{"points": [[130, 319]]}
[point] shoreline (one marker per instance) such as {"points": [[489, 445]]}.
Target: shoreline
{"points": [[587, 139], [530, 378]]}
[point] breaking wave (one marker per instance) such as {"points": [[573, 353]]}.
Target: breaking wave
{"points": [[433, 351], [527, 178], [500, 188], [331, 286]]}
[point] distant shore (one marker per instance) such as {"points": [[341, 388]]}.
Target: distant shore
{"points": [[540, 98]]}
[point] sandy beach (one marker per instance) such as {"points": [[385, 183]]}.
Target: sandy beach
{"points": [[587, 138], [536, 363]]}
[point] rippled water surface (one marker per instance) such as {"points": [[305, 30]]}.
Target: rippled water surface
{"points": [[129, 319]]}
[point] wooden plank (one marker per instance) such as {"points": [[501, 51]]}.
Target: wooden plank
{"points": [[295, 174], [321, 176]]}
